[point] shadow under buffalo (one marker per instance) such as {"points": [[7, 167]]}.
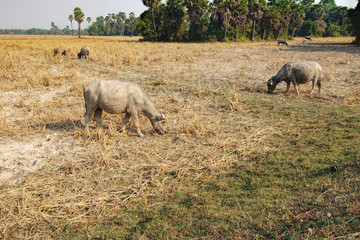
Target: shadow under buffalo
{"points": [[254, 90], [70, 126], [64, 126]]}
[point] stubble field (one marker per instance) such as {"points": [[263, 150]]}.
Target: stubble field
{"points": [[235, 162]]}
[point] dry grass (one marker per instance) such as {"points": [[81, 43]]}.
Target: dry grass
{"points": [[56, 177]]}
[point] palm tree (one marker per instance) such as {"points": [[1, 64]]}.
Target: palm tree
{"points": [[121, 16], [79, 17], [271, 21], [198, 14], [239, 12], [71, 18], [88, 19], [255, 13], [152, 4], [297, 16], [113, 17], [108, 21], [54, 28], [231, 13], [284, 7], [132, 21], [224, 13]]}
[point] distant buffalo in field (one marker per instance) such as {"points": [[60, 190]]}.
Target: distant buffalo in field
{"points": [[56, 51], [282, 41], [85, 51], [307, 39]]}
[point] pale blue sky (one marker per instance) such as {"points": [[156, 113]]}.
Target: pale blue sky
{"points": [[26, 14]]}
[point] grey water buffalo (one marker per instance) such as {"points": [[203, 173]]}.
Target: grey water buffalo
{"points": [[297, 73], [118, 97], [85, 51], [282, 41], [307, 39]]}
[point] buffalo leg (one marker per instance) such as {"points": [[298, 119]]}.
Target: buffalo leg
{"points": [[313, 86], [134, 115], [89, 112], [137, 126], [318, 83], [287, 87], [97, 116], [125, 121], [296, 87]]}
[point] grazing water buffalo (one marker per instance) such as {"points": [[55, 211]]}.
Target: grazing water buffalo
{"points": [[120, 97], [85, 51], [282, 41], [297, 73]]}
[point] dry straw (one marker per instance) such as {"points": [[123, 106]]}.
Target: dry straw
{"points": [[204, 89]]}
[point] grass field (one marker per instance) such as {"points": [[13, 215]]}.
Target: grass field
{"points": [[235, 162]]}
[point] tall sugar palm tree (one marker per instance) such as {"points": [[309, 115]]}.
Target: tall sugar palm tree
{"points": [[71, 18], [239, 12], [108, 21], [88, 19], [297, 16], [223, 11], [255, 13], [132, 22], [152, 4], [113, 17], [79, 17], [121, 18]]}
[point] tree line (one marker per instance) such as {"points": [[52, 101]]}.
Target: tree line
{"points": [[233, 20], [112, 25], [220, 20]]}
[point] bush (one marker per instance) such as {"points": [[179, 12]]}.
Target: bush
{"points": [[333, 31], [308, 28]]}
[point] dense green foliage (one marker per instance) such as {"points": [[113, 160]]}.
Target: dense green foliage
{"points": [[114, 25], [354, 15], [201, 20], [219, 20]]}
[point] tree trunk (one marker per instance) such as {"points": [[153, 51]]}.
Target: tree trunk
{"points": [[357, 40], [72, 29], [253, 30], [268, 35], [264, 34], [293, 32], [79, 31], [153, 18]]}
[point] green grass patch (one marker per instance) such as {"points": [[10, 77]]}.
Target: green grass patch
{"points": [[307, 188]]}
